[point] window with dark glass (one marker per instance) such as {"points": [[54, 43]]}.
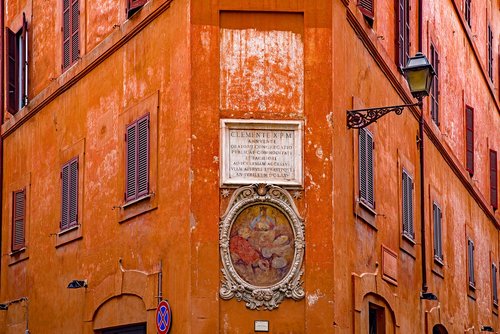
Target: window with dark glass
{"points": [[134, 5], [137, 159], [435, 86], [403, 32], [366, 192], [376, 319], [470, 263], [18, 219], [69, 194], [70, 32], [438, 238], [407, 206], [17, 68]]}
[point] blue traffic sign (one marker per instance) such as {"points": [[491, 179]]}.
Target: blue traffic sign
{"points": [[163, 317]]}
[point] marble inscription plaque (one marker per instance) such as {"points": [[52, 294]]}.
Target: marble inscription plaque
{"points": [[261, 151]]}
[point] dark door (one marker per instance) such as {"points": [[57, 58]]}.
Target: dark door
{"points": [[135, 329]]}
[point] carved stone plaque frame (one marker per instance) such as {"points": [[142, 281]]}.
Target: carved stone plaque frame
{"points": [[237, 250]]}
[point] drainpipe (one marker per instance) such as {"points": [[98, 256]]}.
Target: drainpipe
{"points": [[2, 100], [421, 148]]}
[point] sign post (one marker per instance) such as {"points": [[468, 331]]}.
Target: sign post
{"points": [[163, 317]]}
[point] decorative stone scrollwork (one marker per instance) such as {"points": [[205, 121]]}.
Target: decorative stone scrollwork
{"points": [[261, 238]]}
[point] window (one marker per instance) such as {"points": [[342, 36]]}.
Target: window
{"points": [[435, 86], [366, 144], [137, 159], [493, 179], [467, 7], [403, 26], [438, 238], [494, 284], [470, 263], [407, 207], [376, 319], [366, 7], [469, 139], [71, 33], [134, 5], [69, 194], [490, 52], [17, 71], [18, 219]]}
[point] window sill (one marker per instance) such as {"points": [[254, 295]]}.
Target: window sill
{"points": [[137, 207], [366, 214], [408, 246], [18, 256], [68, 235]]}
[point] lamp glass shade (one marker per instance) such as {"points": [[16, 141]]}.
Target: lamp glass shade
{"points": [[419, 75]]}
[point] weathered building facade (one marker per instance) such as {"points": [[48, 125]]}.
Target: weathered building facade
{"points": [[135, 136]]}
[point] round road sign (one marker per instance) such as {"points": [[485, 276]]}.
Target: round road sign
{"points": [[163, 317]]}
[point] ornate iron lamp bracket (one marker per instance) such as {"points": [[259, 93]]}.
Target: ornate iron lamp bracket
{"points": [[360, 118]]}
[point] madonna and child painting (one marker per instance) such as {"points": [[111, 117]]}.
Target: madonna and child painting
{"points": [[261, 245]]}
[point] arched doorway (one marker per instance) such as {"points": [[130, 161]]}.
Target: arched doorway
{"points": [[439, 329]]}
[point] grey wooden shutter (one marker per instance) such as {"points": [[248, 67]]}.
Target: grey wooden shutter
{"points": [[73, 193], [494, 283], [435, 86], [143, 156], [366, 173], [65, 197], [470, 251], [469, 139], [438, 239], [467, 10], [490, 52], [18, 223], [66, 35], [75, 30], [493, 179], [131, 163], [401, 34], [407, 205]]}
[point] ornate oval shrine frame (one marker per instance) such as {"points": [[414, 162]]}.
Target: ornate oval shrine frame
{"points": [[267, 296]]}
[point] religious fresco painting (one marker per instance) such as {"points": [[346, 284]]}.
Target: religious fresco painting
{"points": [[261, 245]]}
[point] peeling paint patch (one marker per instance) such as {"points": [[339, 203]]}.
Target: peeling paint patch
{"points": [[314, 297], [192, 222], [319, 152], [261, 70]]}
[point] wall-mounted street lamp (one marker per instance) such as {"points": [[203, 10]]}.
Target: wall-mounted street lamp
{"points": [[419, 74]]}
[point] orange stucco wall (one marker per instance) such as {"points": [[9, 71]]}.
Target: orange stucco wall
{"points": [[190, 64]]}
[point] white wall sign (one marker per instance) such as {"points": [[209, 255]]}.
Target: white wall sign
{"points": [[261, 151]]}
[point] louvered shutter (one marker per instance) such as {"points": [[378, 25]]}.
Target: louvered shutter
{"points": [[66, 34], [134, 4], [438, 247], [490, 52], [406, 32], [401, 33], [467, 10], [73, 193], [493, 179], [470, 251], [75, 30], [69, 194], [407, 206], [65, 197], [131, 163], [469, 125], [24, 63], [366, 7], [12, 75], [366, 188], [18, 223], [494, 283], [435, 86], [143, 156]]}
